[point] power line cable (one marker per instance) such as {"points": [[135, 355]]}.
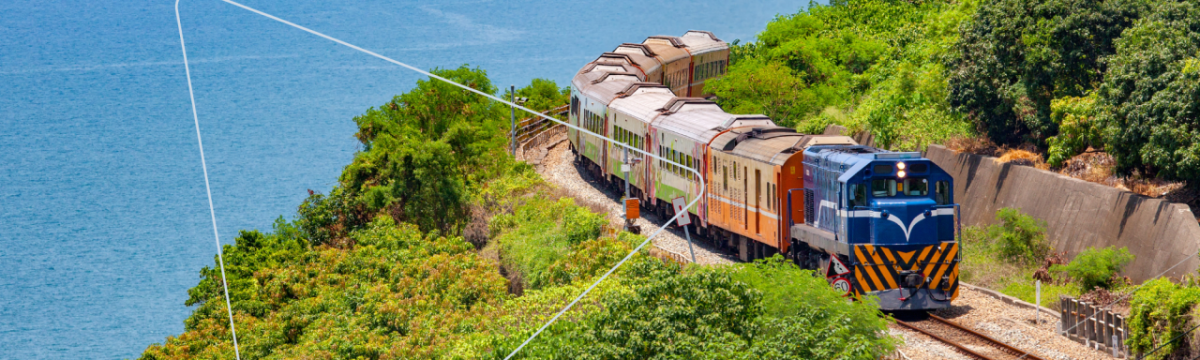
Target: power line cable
{"points": [[204, 165]]}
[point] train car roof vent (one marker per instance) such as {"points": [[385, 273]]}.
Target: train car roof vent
{"points": [[709, 33], [643, 48], [770, 132], [759, 133], [673, 40], [607, 76], [632, 89], [677, 104], [615, 56], [745, 120]]}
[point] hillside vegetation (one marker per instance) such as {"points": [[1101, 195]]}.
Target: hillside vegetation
{"points": [[874, 65], [436, 244]]}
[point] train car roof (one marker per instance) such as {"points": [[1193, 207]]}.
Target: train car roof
{"points": [[622, 60], [666, 48], [699, 42], [605, 88], [585, 76], [771, 144], [694, 118], [643, 101], [638, 56], [596, 70]]}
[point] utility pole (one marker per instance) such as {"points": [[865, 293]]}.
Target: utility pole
{"points": [[512, 118]]}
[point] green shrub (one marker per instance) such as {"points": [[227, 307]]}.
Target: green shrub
{"points": [[1096, 267], [1160, 311], [1076, 128], [1020, 237], [541, 233]]}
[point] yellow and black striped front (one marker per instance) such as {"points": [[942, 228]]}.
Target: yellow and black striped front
{"points": [[878, 269]]}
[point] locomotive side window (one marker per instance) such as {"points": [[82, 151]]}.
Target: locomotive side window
{"points": [[942, 193], [883, 187], [858, 195]]}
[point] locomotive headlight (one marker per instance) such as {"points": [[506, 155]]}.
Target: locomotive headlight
{"points": [[900, 174], [900, 165]]}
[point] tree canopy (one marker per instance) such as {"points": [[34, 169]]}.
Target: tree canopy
{"points": [[870, 65], [1015, 56]]}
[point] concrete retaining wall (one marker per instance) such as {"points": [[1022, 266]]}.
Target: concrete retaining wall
{"points": [[1079, 214]]}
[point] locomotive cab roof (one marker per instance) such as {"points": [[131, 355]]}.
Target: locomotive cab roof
{"points": [[851, 160]]}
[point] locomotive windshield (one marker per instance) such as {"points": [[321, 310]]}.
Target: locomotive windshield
{"points": [[908, 187]]}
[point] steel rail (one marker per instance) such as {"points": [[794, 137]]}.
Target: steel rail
{"points": [[956, 345], [988, 339]]}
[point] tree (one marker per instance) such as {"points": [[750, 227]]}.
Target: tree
{"points": [[1016, 56], [543, 95], [1150, 100]]}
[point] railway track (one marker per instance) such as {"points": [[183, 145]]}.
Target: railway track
{"points": [[969, 341]]}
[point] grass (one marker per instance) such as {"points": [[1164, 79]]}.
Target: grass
{"points": [[984, 265]]}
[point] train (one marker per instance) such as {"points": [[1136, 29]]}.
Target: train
{"points": [[872, 222]]}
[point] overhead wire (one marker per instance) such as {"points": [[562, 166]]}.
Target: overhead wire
{"points": [[212, 212]]}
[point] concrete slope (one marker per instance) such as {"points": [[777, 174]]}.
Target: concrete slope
{"points": [[1079, 214]]}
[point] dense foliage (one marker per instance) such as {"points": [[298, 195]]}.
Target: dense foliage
{"points": [[1016, 56], [869, 65], [747, 311], [1065, 75], [1150, 96], [1159, 314], [1094, 267]]}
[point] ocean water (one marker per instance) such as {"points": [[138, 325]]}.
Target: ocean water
{"points": [[104, 222]]}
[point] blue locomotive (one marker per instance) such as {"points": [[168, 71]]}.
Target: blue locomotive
{"points": [[879, 223]]}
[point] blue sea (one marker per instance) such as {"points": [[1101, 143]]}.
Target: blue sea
{"points": [[104, 222]]}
